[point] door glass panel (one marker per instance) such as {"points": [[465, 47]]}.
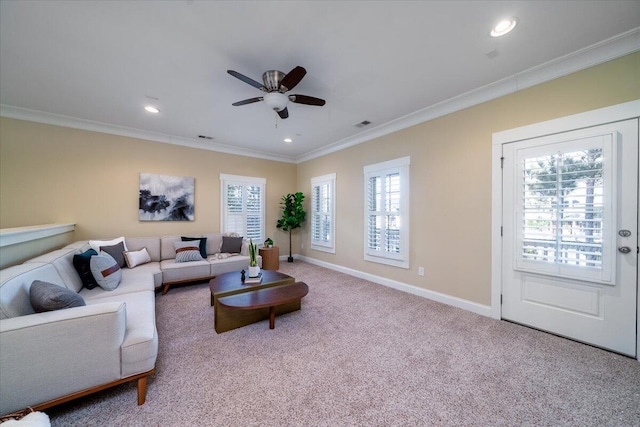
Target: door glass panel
{"points": [[563, 208], [565, 215]]}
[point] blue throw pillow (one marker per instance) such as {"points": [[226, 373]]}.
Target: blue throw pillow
{"points": [[81, 264], [106, 271]]}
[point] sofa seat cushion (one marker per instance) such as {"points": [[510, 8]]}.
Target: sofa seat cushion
{"points": [[231, 263], [173, 271], [133, 280], [140, 345]]}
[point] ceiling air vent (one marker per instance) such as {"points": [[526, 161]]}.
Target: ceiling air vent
{"points": [[363, 124], [205, 137]]}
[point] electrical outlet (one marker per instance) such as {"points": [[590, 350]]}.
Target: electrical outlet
{"points": [[420, 271], [302, 245]]}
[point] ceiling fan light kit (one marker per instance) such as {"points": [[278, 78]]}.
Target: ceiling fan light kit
{"points": [[276, 101], [275, 84]]}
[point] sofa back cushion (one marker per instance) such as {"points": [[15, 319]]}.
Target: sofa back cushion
{"points": [[167, 250], [15, 283], [62, 260], [214, 242], [151, 243]]}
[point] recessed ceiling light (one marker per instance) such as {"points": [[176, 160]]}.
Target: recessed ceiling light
{"points": [[288, 140], [151, 109], [503, 27]]}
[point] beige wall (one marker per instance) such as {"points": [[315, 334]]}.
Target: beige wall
{"points": [[53, 174], [451, 179]]}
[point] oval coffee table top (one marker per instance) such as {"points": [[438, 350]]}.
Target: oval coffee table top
{"points": [[268, 297]]}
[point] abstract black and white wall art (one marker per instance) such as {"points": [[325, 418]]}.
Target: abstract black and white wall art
{"points": [[166, 198]]}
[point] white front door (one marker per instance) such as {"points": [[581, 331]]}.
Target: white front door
{"points": [[570, 237]]}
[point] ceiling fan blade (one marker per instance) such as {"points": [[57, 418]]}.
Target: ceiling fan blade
{"points": [[247, 80], [308, 100], [292, 79], [284, 113], [247, 101]]}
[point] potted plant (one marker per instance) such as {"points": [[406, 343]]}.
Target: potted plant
{"points": [[254, 269], [293, 215], [268, 243]]}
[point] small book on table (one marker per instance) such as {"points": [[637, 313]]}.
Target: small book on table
{"points": [[257, 279]]}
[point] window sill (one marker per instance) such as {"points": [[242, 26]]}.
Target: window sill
{"points": [[387, 261], [323, 249]]}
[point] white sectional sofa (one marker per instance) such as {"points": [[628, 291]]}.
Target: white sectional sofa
{"points": [[51, 357]]}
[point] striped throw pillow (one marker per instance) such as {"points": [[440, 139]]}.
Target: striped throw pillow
{"points": [[187, 251]]}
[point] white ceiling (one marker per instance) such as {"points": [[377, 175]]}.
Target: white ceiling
{"points": [[100, 62]]}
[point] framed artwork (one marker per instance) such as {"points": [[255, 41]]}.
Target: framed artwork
{"points": [[166, 198]]}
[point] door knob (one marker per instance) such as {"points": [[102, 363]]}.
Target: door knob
{"points": [[624, 249]]}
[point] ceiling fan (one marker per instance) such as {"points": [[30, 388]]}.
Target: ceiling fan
{"points": [[276, 83]]}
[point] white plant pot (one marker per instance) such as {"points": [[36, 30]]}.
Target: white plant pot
{"points": [[254, 271]]}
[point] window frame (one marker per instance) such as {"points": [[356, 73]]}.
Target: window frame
{"points": [[402, 167], [319, 181], [244, 181]]}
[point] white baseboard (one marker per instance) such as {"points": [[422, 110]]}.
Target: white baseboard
{"points": [[474, 307]]}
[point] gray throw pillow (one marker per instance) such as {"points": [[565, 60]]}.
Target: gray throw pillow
{"points": [[45, 296], [187, 251], [232, 245], [117, 252], [106, 271]]}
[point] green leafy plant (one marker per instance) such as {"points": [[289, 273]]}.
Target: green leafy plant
{"points": [[253, 260], [268, 242], [293, 215]]}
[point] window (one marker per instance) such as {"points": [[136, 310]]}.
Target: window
{"points": [[386, 221], [565, 213], [323, 201], [242, 206]]}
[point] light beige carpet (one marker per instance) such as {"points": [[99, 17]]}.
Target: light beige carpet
{"points": [[361, 354]]}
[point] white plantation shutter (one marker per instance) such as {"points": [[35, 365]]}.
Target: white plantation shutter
{"points": [[387, 212], [234, 210], [565, 209], [242, 206], [323, 213]]}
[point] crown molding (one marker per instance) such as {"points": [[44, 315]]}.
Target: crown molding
{"points": [[596, 54], [94, 126], [607, 50]]}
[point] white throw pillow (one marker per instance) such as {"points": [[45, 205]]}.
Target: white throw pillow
{"points": [[95, 244], [136, 258]]}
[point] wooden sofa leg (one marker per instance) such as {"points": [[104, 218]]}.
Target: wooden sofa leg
{"points": [[165, 289], [142, 390]]}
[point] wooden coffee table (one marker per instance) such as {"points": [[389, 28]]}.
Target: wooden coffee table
{"points": [[228, 284]]}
